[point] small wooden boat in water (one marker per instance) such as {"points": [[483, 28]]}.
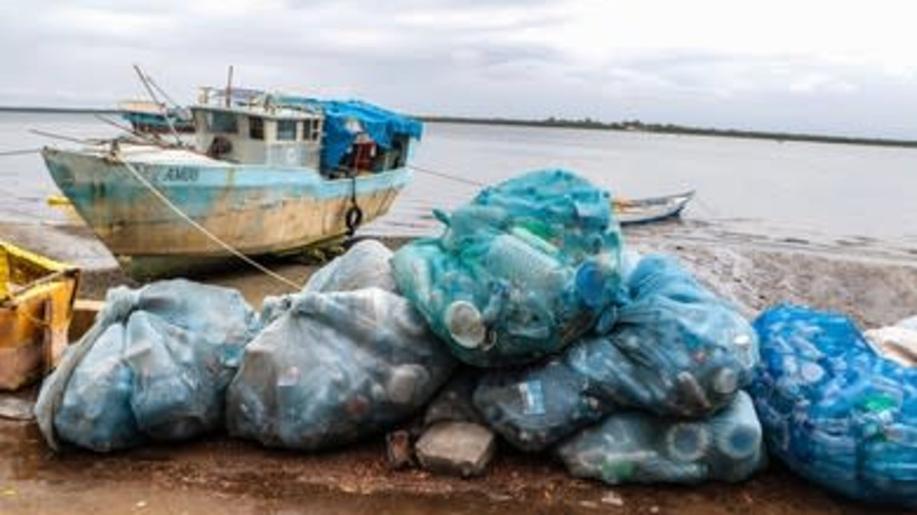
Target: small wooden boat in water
{"points": [[267, 175], [149, 117], [652, 209], [36, 303]]}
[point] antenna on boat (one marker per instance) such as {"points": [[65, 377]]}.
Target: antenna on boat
{"points": [[149, 90], [229, 88]]}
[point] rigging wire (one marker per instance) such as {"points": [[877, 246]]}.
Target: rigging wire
{"points": [[445, 175], [162, 92], [24, 151], [145, 81], [65, 138]]}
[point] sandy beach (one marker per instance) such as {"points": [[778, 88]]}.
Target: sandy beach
{"points": [[221, 474]]}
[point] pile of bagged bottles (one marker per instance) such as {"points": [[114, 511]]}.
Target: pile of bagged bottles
{"points": [[624, 366], [584, 343]]}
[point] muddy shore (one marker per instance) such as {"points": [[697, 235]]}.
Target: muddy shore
{"points": [[218, 474]]}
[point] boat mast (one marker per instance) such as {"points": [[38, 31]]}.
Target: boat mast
{"points": [[229, 88], [149, 90]]}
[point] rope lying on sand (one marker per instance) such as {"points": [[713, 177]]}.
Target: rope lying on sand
{"points": [[203, 230]]}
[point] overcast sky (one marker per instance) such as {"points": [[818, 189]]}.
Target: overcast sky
{"points": [[810, 66]]}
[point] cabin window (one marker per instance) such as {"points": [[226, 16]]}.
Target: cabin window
{"points": [[310, 130], [306, 130], [255, 127], [225, 123], [286, 130]]}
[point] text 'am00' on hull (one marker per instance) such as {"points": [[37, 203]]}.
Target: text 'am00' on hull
{"points": [[266, 174]]}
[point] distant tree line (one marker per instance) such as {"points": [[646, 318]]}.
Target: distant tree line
{"points": [[668, 128]]}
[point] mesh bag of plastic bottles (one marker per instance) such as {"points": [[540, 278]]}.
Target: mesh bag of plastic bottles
{"points": [[333, 368], [365, 265], [676, 349], [637, 447], [521, 271], [834, 410], [155, 365]]}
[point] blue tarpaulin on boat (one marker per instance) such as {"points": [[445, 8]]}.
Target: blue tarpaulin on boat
{"points": [[380, 124]]}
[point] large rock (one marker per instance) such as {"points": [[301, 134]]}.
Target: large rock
{"points": [[457, 448]]}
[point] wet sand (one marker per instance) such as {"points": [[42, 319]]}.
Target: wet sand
{"points": [[876, 285]]}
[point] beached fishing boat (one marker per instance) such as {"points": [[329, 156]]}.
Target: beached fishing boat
{"points": [[149, 117], [268, 174], [651, 209]]}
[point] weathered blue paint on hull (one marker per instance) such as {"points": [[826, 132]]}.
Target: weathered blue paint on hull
{"points": [[257, 209]]}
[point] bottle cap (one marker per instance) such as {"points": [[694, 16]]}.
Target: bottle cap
{"points": [[465, 325]]}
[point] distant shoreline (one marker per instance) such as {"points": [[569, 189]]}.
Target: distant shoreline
{"points": [[558, 123], [57, 110], [636, 126]]}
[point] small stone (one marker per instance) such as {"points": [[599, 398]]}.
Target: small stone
{"points": [[589, 504], [15, 408], [140, 505], [613, 499], [457, 448], [398, 451], [654, 509]]}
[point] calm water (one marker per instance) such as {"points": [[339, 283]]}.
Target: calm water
{"points": [[756, 187]]}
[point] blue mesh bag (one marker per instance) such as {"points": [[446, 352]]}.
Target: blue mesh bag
{"points": [[521, 271], [676, 349], [155, 365], [637, 447], [334, 367], [834, 410]]}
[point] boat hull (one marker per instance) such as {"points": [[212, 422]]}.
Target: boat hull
{"points": [[648, 210], [256, 209]]}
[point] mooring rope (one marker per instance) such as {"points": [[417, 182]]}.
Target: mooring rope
{"points": [[445, 175], [229, 248]]}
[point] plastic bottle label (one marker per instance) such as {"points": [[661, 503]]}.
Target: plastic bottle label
{"points": [[532, 398]]}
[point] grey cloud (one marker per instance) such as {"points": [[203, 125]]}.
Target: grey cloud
{"points": [[406, 55]]}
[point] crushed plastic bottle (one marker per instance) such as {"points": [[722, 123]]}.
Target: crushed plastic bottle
{"points": [[520, 272], [155, 365], [675, 350], [833, 409], [637, 447]]}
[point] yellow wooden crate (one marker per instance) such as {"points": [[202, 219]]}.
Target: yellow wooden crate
{"points": [[36, 304]]}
